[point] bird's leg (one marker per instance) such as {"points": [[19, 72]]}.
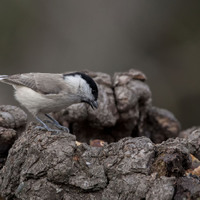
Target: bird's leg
{"points": [[56, 123], [44, 126]]}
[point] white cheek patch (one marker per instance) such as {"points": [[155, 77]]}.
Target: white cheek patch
{"points": [[78, 84], [73, 81]]}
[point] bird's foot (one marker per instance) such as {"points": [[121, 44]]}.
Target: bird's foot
{"points": [[63, 128], [56, 123], [53, 131]]}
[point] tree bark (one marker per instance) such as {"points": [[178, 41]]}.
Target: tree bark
{"points": [[112, 153]]}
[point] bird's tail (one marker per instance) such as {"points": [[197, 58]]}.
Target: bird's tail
{"points": [[3, 77]]}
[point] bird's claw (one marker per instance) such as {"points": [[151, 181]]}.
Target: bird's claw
{"points": [[60, 127], [63, 128], [54, 122], [53, 131]]}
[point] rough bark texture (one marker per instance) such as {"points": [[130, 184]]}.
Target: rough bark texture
{"points": [[12, 123], [46, 166], [111, 163]]}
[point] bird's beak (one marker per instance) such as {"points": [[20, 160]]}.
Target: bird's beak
{"points": [[93, 104]]}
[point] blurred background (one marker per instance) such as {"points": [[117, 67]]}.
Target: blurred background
{"points": [[160, 38]]}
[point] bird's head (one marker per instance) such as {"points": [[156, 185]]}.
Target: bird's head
{"points": [[85, 87]]}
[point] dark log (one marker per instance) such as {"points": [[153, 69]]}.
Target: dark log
{"points": [[45, 166], [12, 123], [112, 153]]}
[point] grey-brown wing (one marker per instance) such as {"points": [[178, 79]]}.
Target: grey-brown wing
{"points": [[41, 82], [21, 80]]}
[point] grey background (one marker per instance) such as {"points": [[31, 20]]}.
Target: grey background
{"points": [[161, 38]]}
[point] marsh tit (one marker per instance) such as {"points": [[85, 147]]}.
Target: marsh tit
{"points": [[42, 93]]}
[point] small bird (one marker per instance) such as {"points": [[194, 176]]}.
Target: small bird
{"points": [[42, 93]]}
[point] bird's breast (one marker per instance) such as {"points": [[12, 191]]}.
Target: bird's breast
{"points": [[36, 102]]}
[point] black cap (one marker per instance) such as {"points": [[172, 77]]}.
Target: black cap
{"points": [[89, 81]]}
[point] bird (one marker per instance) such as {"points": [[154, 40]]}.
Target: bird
{"points": [[42, 93]]}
